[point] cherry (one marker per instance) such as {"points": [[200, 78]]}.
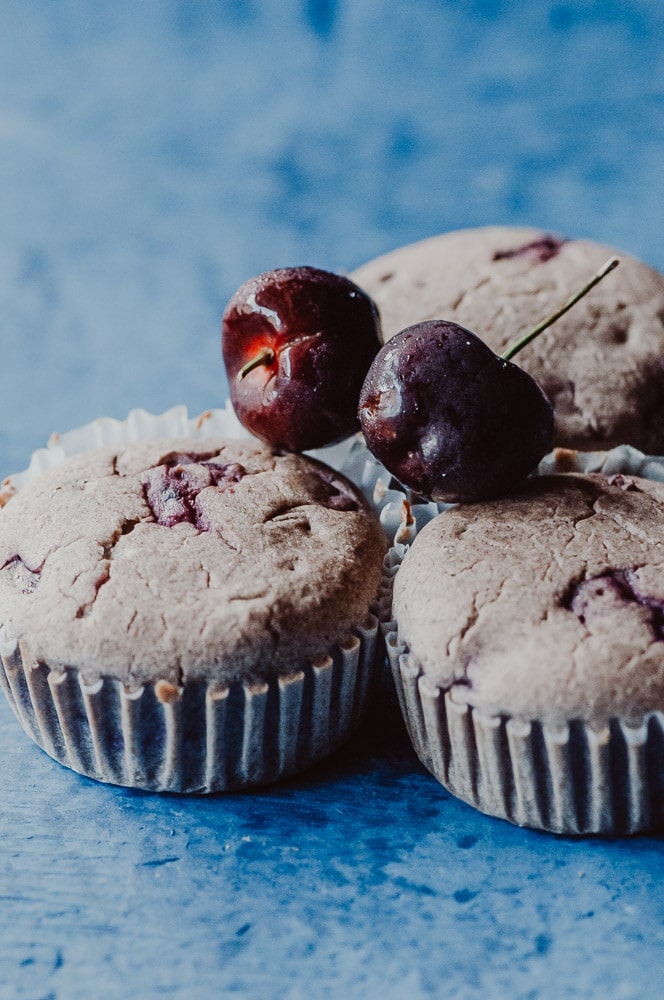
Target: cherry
{"points": [[297, 344], [449, 418], [452, 420]]}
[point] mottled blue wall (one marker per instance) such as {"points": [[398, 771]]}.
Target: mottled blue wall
{"points": [[152, 156]]}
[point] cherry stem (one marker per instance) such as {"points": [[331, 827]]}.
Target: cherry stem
{"points": [[602, 273], [265, 356]]}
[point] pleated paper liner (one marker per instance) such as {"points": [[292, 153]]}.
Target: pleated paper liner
{"points": [[208, 738], [199, 738], [202, 737], [572, 779]]}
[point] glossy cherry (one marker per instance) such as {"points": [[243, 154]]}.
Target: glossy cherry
{"points": [[449, 418], [297, 344]]}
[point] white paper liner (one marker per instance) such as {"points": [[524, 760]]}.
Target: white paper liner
{"points": [[200, 738], [571, 779], [66, 718]]}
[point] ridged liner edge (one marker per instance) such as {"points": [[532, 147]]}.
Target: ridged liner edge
{"points": [[570, 779], [200, 738]]}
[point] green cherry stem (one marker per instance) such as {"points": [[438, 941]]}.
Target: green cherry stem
{"points": [[602, 273], [265, 356]]}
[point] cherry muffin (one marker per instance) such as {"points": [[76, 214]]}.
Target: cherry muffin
{"points": [[527, 645], [188, 614]]}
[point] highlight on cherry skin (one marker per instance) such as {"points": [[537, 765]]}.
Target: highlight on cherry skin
{"points": [[297, 344], [450, 419]]}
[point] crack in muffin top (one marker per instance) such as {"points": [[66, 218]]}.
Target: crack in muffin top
{"points": [[544, 605], [187, 559]]}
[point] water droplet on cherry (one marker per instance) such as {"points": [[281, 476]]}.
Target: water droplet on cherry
{"points": [[452, 420], [449, 418]]}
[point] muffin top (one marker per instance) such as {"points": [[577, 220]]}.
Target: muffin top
{"points": [[600, 364], [186, 559], [545, 605]]}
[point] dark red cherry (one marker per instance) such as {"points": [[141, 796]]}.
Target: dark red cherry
{"points": [[452, 420], [297, 344], [449, 418]]}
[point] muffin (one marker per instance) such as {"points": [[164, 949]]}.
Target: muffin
{"points": [[527, 646], [188, 614], [600, 364]]}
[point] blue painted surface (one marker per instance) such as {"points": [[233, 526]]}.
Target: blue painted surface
{"points": [[153, 156]]}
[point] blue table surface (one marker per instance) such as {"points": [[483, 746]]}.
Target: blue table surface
{"points": [[152, 157]]}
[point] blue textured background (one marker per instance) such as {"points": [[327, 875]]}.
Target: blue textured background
{"points": [[152, 156]]}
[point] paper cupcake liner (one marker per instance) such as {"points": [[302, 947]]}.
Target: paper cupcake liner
{"points": [[571, 779], [388, 497], [206, 738], [201, 737]]}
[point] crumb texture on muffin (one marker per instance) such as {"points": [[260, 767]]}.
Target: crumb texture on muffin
{"points": [[600, 364], [545, 605], [184, 560]]}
